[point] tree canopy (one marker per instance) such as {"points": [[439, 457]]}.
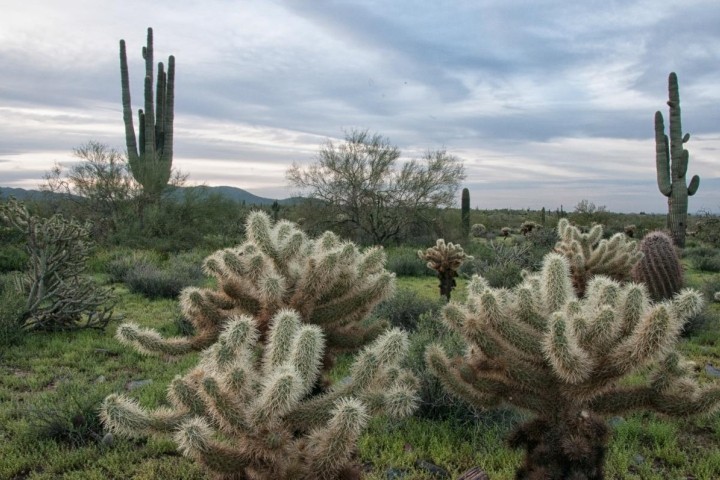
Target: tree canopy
{"points": [[366, 186]]}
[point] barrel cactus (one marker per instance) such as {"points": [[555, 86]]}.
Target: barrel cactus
{"points": [[660, 268]]}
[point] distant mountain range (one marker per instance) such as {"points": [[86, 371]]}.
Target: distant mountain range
{"points": [[232, 193]]}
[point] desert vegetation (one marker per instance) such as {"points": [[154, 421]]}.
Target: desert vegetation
{"points": [[198, 337]]}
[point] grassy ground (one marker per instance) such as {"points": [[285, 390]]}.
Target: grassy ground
{"points": [[51, 386]]}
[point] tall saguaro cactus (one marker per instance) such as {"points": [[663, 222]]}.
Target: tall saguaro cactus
{"points": [[672, 163], [150, 157]]}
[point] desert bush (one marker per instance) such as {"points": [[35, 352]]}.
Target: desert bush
{"points": [[435, 401], [12, 308], [404, 262], [122, 261], [707, 263], [12, 258], [167, 280], [500, 264], [405, 307], [68, 416]]}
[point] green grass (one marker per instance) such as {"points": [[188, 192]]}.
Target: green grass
{"points": [[50, 379]]}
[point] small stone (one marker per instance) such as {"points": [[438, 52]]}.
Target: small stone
{"points": [[615, 422], [100, 379], [475, 473], [711, 370], [395, 473], [133, 384], [432, 469], [107, 439], [638, 459]]}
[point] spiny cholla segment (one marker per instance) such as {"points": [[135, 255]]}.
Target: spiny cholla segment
{"points": [[542, 348], [244, 417], [328, 281], [589, 254]]}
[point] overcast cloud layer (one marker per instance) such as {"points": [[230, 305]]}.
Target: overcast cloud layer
{"points": [[546, 102]]}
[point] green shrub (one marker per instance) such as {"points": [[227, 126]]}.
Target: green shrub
{"points": [[707, 264], [122, 261], [12, 307], [404, 308], [12, 258], [698, 251], [501, 265], [404, 262], [435, 402], [166, 281], [69, 415]]}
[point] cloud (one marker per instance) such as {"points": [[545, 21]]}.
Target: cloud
{"points": [[530, 95]]}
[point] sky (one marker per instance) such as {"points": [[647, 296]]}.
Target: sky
{"points": [[546, 102]]}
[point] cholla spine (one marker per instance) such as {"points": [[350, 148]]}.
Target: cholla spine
{"points": [[543, 348], [589, 254]]}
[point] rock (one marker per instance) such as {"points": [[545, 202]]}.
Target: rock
{"points": [[615, 422], [133, 384], [712, 371], [638, 459], [107, 439], [395, 473], [475, 473], [432, 469], [100, 379]]}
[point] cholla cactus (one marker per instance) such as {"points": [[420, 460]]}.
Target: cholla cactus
{"points": [[505, 231], [544, 349], [58, 295], [445, 259], [256, 406], [329, 282], [478, 230], [249, 418], [589, 254], [528, 226]]}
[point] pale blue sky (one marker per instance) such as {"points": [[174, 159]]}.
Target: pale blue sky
{"points": [[546, 102]]}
